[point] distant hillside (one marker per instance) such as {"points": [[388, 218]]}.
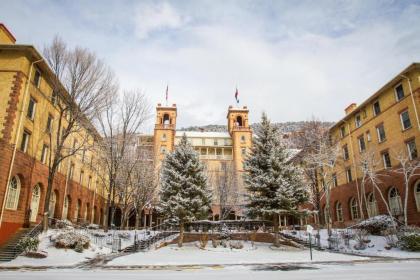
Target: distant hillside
{"points": [[284, 127]]}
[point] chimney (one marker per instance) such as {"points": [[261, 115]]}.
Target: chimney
{"points": [[350, 108], [6, 37]]}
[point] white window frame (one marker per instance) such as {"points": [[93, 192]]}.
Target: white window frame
{"points": [[26, 135], [417, 194], [359, 140], [44, 154], [379, 135], [396, 94], [395, 204], [384, 160], [344, 149], [348, 175], [32, 116], [354, 209], [407, 144], [356, 122], [373, 108], [12, 200], [342, 131], [339, 211], [402, 122], [372, 205]]}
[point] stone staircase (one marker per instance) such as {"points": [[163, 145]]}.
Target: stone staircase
{"points": [[9, 250]]}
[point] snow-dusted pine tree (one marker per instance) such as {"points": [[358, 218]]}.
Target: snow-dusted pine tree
{"points": [[275, 186], [184, 194]]}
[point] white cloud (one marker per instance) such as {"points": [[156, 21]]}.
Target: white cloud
{"points": [[156, 17]]}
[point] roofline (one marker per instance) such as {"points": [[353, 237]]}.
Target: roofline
{"points": [[10, 34], [392, 82]]}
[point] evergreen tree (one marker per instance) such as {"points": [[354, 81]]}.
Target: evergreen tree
{"points": [[275, 186], [184, 193]]}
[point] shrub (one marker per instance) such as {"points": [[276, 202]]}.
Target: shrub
{"points": [[361, 238], [37, 255], [215, 242], [409, 238], [28, 244], [93, 226], [79, 247], [70, 239], [61, 224], [236, 244], [375, 225], [204, 238]]}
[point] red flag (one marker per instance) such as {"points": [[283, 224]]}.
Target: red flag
{"points": [[236, 95]]}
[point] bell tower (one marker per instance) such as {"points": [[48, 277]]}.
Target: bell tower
{"points": [[241, 134], [164, 133]]}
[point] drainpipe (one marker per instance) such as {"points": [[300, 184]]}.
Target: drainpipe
{"points": [[19, 128], [412, 99]]}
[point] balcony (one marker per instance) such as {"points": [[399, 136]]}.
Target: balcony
{"points": [[216, 157]]}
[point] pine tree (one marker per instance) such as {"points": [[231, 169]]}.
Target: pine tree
{"points": [[275, 186], [184, 193]]}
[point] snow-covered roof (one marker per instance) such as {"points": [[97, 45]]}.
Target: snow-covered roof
{"points": [[203, 134]]}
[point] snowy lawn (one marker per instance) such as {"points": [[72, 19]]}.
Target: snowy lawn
{"points": [[190, 254], [376, 247], [57, 257]]}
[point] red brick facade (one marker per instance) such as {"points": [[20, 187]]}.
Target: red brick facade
{"points": [[344, 194]]}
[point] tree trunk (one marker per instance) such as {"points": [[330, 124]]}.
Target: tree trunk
{"points": [[107, 212], [405, 199], [138, 217], [276, 229], [181, 234], [47, 200]]}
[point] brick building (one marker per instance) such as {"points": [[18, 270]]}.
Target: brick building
{"points": [[27, 116]]}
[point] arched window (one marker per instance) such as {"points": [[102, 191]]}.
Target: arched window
{"points": [[66, 208], [166, 119], [77, 210], [239, 121], [13, 194], [53, 200], [36, 196], [417, 194], [394, 201], [243, 138], [354, 209], [372, 206], [339, 211]]}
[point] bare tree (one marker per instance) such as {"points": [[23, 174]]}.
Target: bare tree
{"points": [[323, 161], [226, 187], [408, 169], [369, 166], [80, 84], [119, 124]]}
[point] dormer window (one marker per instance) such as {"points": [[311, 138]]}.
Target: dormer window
{"points": [[358, 121], [376, 108], [399, 92]]}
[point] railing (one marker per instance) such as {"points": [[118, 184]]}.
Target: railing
{"points": [[221, 157]]}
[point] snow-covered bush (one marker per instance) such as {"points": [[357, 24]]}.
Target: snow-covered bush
{"points": [[93, 226], [236, 244], [409, 238], [224, 233], [99, 234], [124, 235], [223, 243], [204, 239], [361, 237], [70, 239], [28, 244], [37, 255], [61, 224], [215, 243], [376, 225], [79, 247]]}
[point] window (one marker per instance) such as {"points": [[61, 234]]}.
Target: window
{"points": [[362, 145], [412, 149], [44, 154], [372, 206], [405, 120], [37, 78], [345, 152], [163, 149], [25, 141], [394, 201], [368, 137], [387, 160], [71, 171], [334, 179], [376, 108], [354, 209], [349, 175], [13, 194], [31, 108], [342, 131], [89, 182], [380, 129], [243, 138], [54, 97], [339, 211], [358, 121], [82, 174], [48, 128], [399, 92], [243, 151], [417, 195], [163, 137], [203, 141], [215, 142]]}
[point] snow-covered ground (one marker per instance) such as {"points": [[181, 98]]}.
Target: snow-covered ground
{"points": [[190, 254], [57, 257], [371, 271], [376, 247]]}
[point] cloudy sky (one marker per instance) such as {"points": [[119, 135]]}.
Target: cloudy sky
{"points": [[292, 59]]}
